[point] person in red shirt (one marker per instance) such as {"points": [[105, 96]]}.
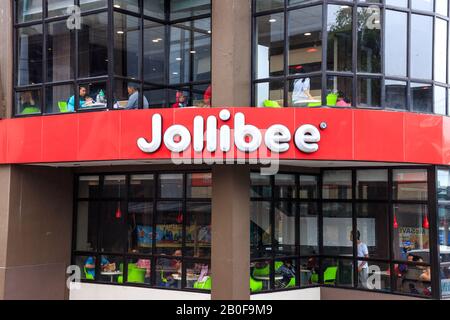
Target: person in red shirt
{"points": [[207, 97], [181, 100]]}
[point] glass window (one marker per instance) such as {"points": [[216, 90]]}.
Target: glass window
{"points": [[112, 227], [376, 276], [28, 10], [198, 230], [180, 54], [284, 233], [309, 229], [129, 5], [260, 275], [421, 46], [58, 98], [155, 9], [369, 39], [28, 102], [138, 271], [337, 184], [127, 95], [168, 273], [198, 276], [285, 271], [260, 229], [270, 94], [269, 45], [410, 184], [397, 3], [126, 45], [396, 47], [170, 185], [308, 188], [169, 225], [88, 187], [58, 8], [444, 242], [87, 226], [60, 48], [440, 100], [373, 229], [111, 269], [372, 184], [87, 274], [337, 229], [93, 46], [339, 27], [265, 5], [415, 280], [201, 51], [411, 233], [337, 272], [369, 92], [421, 97], [114, 186], [91, 96], [440, 50], [305, 40], [87, 5], [180, 9], [199, 185], [396, 94], [156, 98], [30, 47], [339, 91], [443, 191], [285, 186], [309, 271], [305, 92], [142, 186], [261, 187], [424, 5], [140, 227], [154, 52]]}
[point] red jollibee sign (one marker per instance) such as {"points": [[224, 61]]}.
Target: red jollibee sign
{"points": [[329, 134]]}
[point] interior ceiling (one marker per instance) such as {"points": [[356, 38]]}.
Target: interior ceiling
{"points": [[295, 163]]}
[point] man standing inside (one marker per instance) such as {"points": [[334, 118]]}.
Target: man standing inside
{"points": [[133, 99], [362, 252]]}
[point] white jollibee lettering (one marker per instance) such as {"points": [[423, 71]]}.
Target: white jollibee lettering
{"points": [[247, 137]]}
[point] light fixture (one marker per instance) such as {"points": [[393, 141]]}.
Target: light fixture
{"points": [[117, 6], [307, 34], [193, 51], [178, 59], [209, 31], [120, 32], [272, 20]]}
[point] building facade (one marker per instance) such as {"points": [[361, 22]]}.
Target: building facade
{"points": [[224, 149]]}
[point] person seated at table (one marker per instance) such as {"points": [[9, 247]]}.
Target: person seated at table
{"points": [[342, 100], [84, 100], [145, 264], [27, 103], [287, 271], [133, 97], [89, 265], [180, 100]]}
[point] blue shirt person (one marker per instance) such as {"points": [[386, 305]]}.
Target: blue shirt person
{"points": [[133, 100], [89, 265], [82, 102]]}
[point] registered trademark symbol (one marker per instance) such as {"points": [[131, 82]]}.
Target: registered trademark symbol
{"points": [[323, 125]]}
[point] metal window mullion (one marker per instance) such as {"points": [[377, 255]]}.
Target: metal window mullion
{"points": [[111, 58], [408, 59], [287, 41], [320, 224], [382, 56], [354, 233], [355, 54], [434, 233], [324, 53], [272, 231], [183, 232]]}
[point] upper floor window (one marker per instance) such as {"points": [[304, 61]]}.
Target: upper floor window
{"points": [[84, 55], [368, 54]]}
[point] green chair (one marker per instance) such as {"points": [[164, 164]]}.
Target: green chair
{"points": [[314, 278], [271, 104], [332, 99], [63, 107], [30, 110], [314, 104], [262, 272], [329, 276], [203, 285], [255, 285], [135, 275], [89, 276]]}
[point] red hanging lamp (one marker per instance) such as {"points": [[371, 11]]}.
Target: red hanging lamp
{"points": [[118, 212], [395, 222], [426, 223]]}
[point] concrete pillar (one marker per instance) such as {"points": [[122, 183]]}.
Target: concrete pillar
{"points": [[36, 205], [231, 53], [230, 256], [6, 58]]}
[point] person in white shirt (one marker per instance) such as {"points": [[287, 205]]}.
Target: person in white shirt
{"points": [[362, 252], [301, 93]]}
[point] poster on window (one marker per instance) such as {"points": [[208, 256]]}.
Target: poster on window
{"points": [[413, 238]]}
